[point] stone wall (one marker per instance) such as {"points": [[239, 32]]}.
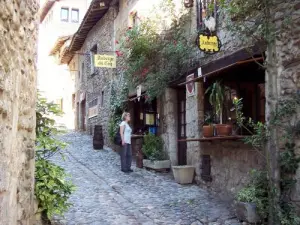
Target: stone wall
{"points": [[231, 162], [98, 84], [288, 67], [18, 31], [168, 123]]}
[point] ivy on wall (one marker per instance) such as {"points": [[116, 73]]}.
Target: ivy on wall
{"points": [[258, 191]]}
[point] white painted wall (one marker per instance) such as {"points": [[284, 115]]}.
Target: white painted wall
{"points": [[56, 81]]}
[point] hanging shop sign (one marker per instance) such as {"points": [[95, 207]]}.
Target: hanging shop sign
{"points": [[209, 43], [105, 61], [190, 87]]}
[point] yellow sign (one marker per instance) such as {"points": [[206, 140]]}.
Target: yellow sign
{"points": [[209, 43], [105, 61]]}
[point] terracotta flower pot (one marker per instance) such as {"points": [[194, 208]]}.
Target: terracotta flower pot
{"points": [[208, 131], [223, 129]]}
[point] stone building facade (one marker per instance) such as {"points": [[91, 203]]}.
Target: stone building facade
{"points": [[17, 109], [221, 165]]}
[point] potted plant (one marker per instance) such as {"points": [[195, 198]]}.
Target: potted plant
{"points": [[251, 204], [217, 99], [208, 128], [154, 153]]}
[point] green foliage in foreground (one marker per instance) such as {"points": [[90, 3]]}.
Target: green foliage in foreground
{"points": [[52, 188]]}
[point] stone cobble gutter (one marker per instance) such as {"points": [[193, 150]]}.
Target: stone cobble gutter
{"points": [[106, 196]]}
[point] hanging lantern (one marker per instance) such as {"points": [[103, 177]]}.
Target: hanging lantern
{"points": [[188, 3]]}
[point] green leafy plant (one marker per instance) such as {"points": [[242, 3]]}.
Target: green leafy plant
{"points": [[155, 55], [113, 126], [208, 119], [153, 147], [217, 98], [256, 192], [52, 187]]}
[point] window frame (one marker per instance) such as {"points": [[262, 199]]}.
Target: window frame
{"points": [[93, 52], [75, 10], [93, 108], [61, 13]]}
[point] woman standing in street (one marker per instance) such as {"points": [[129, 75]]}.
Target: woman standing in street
{"points": [[126, 154]]}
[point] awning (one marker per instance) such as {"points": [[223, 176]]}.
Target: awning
{"points": [[221, 69]]}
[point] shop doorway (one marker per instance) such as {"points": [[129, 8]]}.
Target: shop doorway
{"points": [[182, 146]]}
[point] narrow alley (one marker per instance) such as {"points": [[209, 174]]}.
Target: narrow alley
{"points": [[106, 196]]}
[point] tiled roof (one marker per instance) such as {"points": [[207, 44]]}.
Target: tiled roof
{"points": [[46, 8], [95, 12]]}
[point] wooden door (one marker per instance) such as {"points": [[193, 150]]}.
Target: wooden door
{"points": [[182, 146]]}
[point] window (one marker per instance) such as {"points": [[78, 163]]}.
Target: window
{"points": [[73, 101], [75, 15], [64, 14], [92, 56], [93, 108], [133, 19], [205, 11], [102, 98], [59, 102], [93, 103]]}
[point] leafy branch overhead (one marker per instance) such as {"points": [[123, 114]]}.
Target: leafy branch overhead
{"points": [[157, 51]]}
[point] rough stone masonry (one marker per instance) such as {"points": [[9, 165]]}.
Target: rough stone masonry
{"points": [[18, 33]]}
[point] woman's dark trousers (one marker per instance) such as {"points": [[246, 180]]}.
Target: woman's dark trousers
{"points": [[126, 157]]}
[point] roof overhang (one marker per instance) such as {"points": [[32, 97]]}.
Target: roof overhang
{"points": [[96, 11], [46, 8]]}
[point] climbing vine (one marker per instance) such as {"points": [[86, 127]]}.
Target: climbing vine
{"points": [[258, 190], [255, 23], [155, 52], [52, 186]]}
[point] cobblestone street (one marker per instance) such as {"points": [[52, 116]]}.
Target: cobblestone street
{"points": [[106, 196]]}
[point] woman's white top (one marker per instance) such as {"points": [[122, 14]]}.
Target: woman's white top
{"points": [[127, 132]]}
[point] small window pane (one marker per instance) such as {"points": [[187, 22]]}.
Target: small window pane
{"points": [[75, 15], [64, 14]]}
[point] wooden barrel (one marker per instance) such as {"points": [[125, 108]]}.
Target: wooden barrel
{"points": [[98, 134], [98, 137], [98, 128], [97, 145]]}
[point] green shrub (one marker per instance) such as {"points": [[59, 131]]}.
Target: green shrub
{"points": [[113, 125], [153, 147], [256, 192], [52, 189]]}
